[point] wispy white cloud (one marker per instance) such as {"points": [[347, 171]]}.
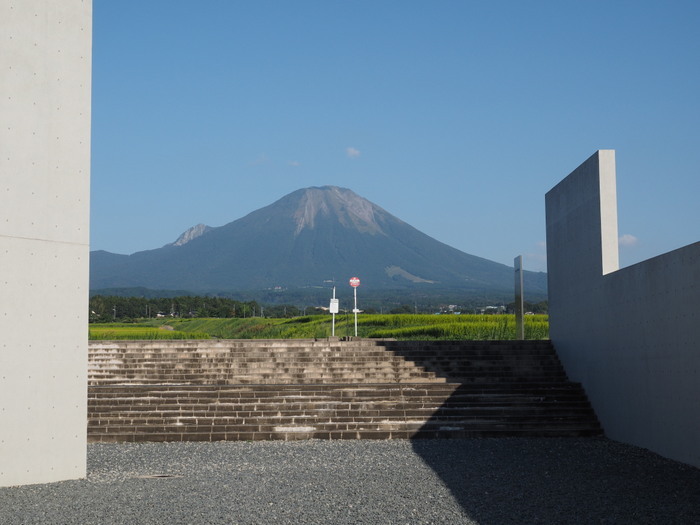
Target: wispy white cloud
{"points": [[294, 163], [627, 240], [352, 152], [262, 159]]}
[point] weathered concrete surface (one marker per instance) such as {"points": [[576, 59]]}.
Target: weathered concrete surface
{"points": [[44, 246], [630, 336]]}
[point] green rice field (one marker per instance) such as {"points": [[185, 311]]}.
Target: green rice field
{"points": [[395, 326], [138, 331]]}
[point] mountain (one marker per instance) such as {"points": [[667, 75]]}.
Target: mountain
{"points": [[301, 240], [191, 234]]}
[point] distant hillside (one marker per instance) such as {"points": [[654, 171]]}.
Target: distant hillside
{"points": [[301, 240]]}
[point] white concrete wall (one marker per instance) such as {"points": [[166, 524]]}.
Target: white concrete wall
{"points": [[45, 75], [631, 336]]}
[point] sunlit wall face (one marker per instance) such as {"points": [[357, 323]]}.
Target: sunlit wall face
{"points": [[45, 65]]}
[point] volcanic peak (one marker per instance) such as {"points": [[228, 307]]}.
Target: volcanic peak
{"points": [[351, 210]]}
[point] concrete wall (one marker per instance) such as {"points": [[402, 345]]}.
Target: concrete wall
{"points": [[45, 75], [631, 336]]}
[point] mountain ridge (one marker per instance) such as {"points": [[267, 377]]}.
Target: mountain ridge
{"points": [[308, 236]]}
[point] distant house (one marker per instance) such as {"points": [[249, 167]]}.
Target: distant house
{"points": [[491, 309]]}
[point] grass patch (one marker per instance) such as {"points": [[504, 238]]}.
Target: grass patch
{"points": [[396, 326], [138, 331]]}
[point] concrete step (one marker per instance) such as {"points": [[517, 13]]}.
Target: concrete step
{"points": [[321, 410], [311, 361], [212, 390]]}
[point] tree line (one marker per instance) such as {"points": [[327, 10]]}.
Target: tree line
{"points": [[109, 308]]}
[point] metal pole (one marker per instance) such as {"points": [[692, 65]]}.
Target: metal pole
{"points": [[355, 310], [333, 325]]}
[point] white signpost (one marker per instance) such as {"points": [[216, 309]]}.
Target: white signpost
{"points": [[334, 310], [355, 282]]}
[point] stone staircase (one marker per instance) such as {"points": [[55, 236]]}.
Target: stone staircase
{"points": [[330, 389]]}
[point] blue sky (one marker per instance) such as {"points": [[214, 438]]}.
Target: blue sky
{"points": [[455, 116]]}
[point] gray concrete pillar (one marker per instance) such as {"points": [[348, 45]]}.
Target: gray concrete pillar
{"points": [[45, 63]]}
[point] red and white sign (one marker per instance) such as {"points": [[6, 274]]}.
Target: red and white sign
{"points": [[354, 282]]}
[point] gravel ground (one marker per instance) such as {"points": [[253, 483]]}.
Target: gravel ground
{"points": [[484, 481]]}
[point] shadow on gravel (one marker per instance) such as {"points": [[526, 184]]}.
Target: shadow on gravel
{"points": [[562, 480], [556, 480]]}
